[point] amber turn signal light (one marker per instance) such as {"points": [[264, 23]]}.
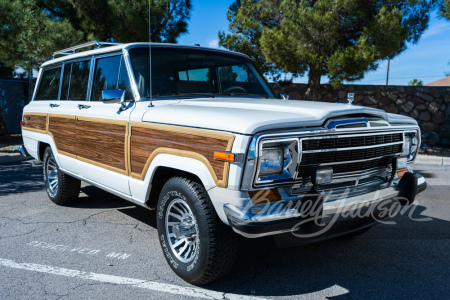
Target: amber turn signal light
{"points": [[226, 156], [402, 172]]}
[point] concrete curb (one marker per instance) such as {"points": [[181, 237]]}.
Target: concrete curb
{"points": [[13, 158], [432, 160]]}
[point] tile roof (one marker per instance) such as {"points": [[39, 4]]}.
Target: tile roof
{"points": [[441, 82]]}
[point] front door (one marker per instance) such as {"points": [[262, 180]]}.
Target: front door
{"points": [[102, 129]]}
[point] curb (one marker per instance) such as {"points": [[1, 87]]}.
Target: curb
{"points": [[432, 160], [13, 158]]}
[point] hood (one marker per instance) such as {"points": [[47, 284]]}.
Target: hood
{"points": [[249, 115]]}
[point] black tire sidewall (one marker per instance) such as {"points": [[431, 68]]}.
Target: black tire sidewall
{"points": [[55, 197], [175, 189]]}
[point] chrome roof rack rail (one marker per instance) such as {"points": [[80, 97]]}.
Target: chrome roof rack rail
{"points": [[71, 50]]}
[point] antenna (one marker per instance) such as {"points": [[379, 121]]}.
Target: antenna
{"points": [[150, 52]]}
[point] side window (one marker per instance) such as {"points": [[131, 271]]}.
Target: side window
{"points": [[106, 76], [76, 78], [49, 86]]}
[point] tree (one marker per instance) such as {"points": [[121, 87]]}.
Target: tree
{"points": [[342, 39], [445, 9], [415, 82], [29, 35], [124, 20], [33, 29], [445, 13]]}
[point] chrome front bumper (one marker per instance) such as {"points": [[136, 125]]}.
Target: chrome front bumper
{"points": [[284, 216]]}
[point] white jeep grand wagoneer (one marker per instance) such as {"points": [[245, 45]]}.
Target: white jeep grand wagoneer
{"points": [[200, 136]]}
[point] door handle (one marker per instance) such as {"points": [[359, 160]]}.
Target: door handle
{"points": [[54, 105], [81, 106]]}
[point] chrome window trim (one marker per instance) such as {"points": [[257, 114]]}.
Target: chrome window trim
{"points": [[249, 174], [134, 88]]}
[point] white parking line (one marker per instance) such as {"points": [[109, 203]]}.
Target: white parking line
{"points": [[332, 291], [143, 284]]}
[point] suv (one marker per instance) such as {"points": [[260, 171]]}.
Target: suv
{"points": [[200, 136]]}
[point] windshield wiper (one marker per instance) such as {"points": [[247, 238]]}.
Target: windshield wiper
{"points": [[195, 95], [233, 94], [177, 95]]}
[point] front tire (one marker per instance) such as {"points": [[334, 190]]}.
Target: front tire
{"points": [[197, 245], [61, 188]]}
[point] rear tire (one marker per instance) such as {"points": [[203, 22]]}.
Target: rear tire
{"points": [[61, 188], [197, 245]]}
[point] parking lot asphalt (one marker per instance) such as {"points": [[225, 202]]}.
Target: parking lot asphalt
{"points": [[103, 247]]}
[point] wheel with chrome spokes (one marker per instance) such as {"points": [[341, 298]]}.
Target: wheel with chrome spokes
{"points": [[197, 245], [181, 230], [52, 174], [61, 188]]}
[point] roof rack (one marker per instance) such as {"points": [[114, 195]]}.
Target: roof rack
{"points": [[71, 50]]}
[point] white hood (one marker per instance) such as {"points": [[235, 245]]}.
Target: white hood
{"points": [[249, 115]]}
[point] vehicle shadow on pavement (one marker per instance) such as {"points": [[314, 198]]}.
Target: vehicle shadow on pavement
{"points": [[92, 197], [20, 177], [407, 259]]}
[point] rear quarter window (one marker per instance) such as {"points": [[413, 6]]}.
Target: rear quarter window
{"points": [[49, 85]]}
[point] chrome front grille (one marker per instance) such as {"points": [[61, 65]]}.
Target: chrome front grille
{"points": [[331, 157], [350, 141], [352, 158]]}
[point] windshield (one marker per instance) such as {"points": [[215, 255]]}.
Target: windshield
{"points": [[191, 73]]}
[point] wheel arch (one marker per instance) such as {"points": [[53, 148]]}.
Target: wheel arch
{"points": [[164, 166], [161, 175]]}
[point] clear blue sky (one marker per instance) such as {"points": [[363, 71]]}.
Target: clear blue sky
{"points": [[427, 60]]}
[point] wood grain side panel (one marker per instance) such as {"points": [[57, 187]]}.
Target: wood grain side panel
{"points": [[35, 122], [102, 143], [63, 131], [145, 141]]}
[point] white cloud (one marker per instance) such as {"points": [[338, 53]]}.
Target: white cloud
{"points": [[213, 44], [436, 29]]}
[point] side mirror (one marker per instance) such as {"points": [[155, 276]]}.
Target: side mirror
{"points": [[283, 96], [113, 96]]}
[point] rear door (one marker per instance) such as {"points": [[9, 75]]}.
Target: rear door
{"points": [[102, 129], [62, 114]]}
